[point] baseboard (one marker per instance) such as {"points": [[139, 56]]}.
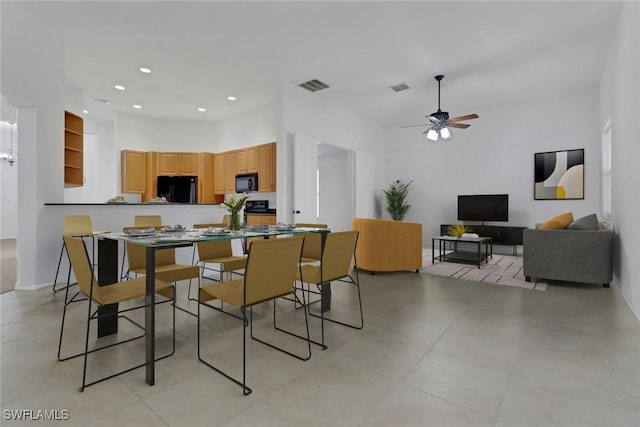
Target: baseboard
{"points": [[34, 287]]}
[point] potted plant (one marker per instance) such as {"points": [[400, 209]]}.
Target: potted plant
{"points": [[234, 204], [396, 195], [457, 230]]}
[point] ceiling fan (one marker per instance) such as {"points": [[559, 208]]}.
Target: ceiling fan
{"points": [[439, 122]]}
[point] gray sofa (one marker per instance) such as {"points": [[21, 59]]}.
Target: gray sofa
{"points": [[568, 255]]}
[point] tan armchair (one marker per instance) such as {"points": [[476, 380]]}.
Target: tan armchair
{"points": [[385, 245]]}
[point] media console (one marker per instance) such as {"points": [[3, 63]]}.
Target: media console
{"points": [[500, 235]]}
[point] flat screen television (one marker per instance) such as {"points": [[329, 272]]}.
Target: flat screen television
{"points": [[483, 207]]}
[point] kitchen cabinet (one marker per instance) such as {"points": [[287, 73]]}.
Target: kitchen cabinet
{"points": [[224, 169], [151, 184], [133, 171], [247, 160], [73, 150], [178, 163], [257, 219], [230, 169], [206, 179], [218, 173], [267, 167]]}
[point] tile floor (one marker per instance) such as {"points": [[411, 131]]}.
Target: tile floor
{"points": [[434, 352]]}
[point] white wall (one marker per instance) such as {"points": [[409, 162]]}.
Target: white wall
{"points": [[620, 102], [496, 155], [8, 184], [33, 79], [253, 128], [306, 113], [336, 190]]}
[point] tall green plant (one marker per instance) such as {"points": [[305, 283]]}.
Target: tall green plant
{"points": [[396, 194]]}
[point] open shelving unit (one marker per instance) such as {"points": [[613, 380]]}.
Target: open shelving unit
{"points": [[73, 150]]}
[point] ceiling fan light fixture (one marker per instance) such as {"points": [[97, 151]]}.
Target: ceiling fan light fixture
{"points": [[444, 132], [432, 135]]}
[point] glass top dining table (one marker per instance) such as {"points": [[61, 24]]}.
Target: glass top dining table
{"points": [[170, 238]]}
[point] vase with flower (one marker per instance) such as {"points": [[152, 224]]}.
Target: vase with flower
{"points": [[233, 204]]}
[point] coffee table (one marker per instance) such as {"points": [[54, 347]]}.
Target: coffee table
{"points": [[476, 256]]}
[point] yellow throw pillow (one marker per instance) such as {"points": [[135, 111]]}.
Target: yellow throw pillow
{"points": [[558, 222]]}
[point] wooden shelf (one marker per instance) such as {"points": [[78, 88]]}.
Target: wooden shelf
{"points": [[73, 150]]}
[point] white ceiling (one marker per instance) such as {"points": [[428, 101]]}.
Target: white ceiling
{"points": [[201, 52]]}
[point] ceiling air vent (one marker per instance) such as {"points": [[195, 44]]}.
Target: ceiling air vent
{"points": [[314, 85], [399, 87], [102, 101]]}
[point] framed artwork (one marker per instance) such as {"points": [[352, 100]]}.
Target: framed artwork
{"points": [[559, 175]]}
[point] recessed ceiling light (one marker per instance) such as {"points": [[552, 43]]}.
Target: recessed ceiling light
{"points": [[231, 98], [145, 70], [137, 106], [202, 110], [119, 87], [85, 111]]}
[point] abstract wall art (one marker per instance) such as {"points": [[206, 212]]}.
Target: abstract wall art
{"points": [[559, 175]]}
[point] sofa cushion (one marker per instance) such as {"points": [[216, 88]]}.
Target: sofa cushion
{"points": [[558, 222], [589, 222]]}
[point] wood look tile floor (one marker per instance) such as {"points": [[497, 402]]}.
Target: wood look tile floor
{"points": [[434, 352]]}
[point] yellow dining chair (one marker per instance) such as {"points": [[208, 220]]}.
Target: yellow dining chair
{"points": [[166, 267], [270, 274], [79, 226], [103, 295], [147, 220], [335, 265], [312, 249], [140, 222], [217, 252]]}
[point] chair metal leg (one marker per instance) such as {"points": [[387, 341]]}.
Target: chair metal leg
{"points": [[322, 317], [245, 390], [275, 326], [55, 280]]}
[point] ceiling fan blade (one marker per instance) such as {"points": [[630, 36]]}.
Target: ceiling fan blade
{"points": [[462, 118], [412, 126], [458, 125]]}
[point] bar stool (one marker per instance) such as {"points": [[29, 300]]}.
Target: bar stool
{"points": [[75, 226]]}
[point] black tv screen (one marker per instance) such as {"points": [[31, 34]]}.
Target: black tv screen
{"points": [[483, 207]]}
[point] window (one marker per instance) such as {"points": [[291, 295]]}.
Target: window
{"points": [[606, 170]]}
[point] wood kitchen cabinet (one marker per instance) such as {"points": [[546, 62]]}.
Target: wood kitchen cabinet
{"points": [[267, 167], [73, 150], [224, 169], [206, 179], [178, 163], [218, 173], [257, 219], [230, 169], [133, 171], [247, 160]]}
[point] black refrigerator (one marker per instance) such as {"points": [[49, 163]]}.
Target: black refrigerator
{"points": [[178, 189]]}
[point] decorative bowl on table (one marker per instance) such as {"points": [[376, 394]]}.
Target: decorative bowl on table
{"points": [[215, 231], [173, 229], [283, 227]]}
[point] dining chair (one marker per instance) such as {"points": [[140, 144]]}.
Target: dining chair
{"points": [[335, 265], [166, 267], [312, 249], [270, 274], [147, 220], [140, 222], [217, 252], [116, 293], [75, 225]]}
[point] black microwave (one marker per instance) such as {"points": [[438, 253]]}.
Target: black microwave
{"points": [[246, 182]]}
